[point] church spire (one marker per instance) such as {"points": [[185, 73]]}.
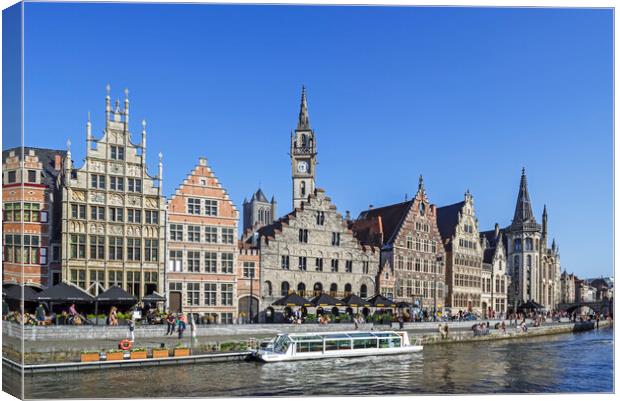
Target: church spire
{"points": [[523, 210], [304, 120], [544, 224]]}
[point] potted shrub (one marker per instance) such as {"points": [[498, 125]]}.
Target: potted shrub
{"points": [[121, 318], [181, 350], [138, 353], [161, 352], [114, 355], [89, 356]]}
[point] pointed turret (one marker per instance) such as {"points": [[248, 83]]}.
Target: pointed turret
{"points": [[544, 225], [304, 119], [523, 210], [421, 184]]}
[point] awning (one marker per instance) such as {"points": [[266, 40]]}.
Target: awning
{"points": [[64, 292], [292, 299], [325, 300], [403, 305], [154, 297], [379, 301], [116, 294], [354, 300]]}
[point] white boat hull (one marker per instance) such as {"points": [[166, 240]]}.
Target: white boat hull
{"points": [[275, 357]]}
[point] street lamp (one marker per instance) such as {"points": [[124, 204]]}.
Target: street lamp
{"points": [[439, 262]]}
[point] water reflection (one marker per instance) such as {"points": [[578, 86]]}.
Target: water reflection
{"points": [[549, 364]]}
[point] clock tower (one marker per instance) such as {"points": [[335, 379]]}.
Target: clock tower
{"points": [[303, 155]]}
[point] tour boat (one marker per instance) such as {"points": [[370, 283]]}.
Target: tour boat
{"points": [[302, 346]]}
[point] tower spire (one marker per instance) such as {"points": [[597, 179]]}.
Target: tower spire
{"points": [[523, 209], [304, 120], [421, 184]]}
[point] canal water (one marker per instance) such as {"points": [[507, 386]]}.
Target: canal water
{"points": [[580, 362]]}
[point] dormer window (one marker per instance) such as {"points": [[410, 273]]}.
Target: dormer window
{"points": [[117, 152]]}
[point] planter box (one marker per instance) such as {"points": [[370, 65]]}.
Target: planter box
{"points": [[160, 353], [90, 357], [114, 356], [181, 352], [138, 355]]}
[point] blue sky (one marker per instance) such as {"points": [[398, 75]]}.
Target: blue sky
{"points": [[464, 96]]}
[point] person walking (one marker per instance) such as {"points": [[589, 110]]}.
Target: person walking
{"points": [[171, 322], [40, 315], [131, 327]]}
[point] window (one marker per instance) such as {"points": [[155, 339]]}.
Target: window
{"points": [[433, 246], [418, 244], [151, 250], [363, 291], [117, 152], [335, 239], [151, 217], [226, 294], [134, 245], [97, 213], [193, 233], [176, 232], [418, 264], [193, 261], [31, 211], [319, 264], [134, 185], [210, 262], [193, 294], [228, 236], [97, 247], [210, 207], [96, 277], [529, 244], [425, 245], [115, 248], [32, 176], [409, 242], [115, 277], [284, 288], [193, 205], [333, 289], [12, 177], [348, 266], [285, 262], [227, 262], [133, 283], [248, 270], [134, 215], [334, 265], [211, 235], [303, 188], [176, 261], [55, 253], [116, 214], [117, 183], [303, 263], [78, 277], [303, 235], [226, 318], [400, 265], [320, 218], [77, 211], [517, 245], [97, 181], [30, 249], [77, 246], [365, 267], [210, 294]]}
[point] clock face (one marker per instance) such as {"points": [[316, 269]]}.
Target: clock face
{"points": [[302, 167]]}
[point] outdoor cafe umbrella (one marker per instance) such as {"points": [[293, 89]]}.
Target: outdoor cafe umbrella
{"points": [[325, 300], [114, 294], [14, 293], [380, 301], [154, 297], [403, 305], [354, 300], [64, 292], [292, 299]]}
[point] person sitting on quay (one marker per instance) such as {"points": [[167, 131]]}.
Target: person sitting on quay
{"points": [[40, 315], [171, 323], [113, 317], [503, 327]]}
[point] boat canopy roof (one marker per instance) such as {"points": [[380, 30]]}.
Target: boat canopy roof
{"points": [[340, 336]]}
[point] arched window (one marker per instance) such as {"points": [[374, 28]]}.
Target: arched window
{"points": [[261, 216], [529, 244], [284, 288], [363, 291], [347, 289], [517, 245], [267, 217], [318, 289], [304, 141], [333, 289], [301, 289], [303, 188], [267, 288]]}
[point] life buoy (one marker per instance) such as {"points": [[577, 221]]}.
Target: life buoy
{"points": [[125, 344]]}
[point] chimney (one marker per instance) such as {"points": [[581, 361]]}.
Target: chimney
{"points": [[347, 216], [57, 162], [496, 229]]}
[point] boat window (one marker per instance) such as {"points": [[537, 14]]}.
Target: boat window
{"points": [[365, 343], [309, 346], [282, 344], [334, 345], [389, 342]]}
